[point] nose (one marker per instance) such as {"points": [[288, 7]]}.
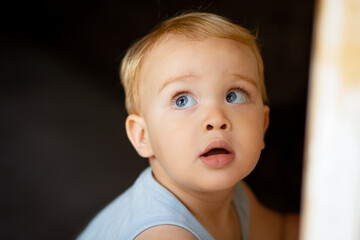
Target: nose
{"points": [[216, 120]]}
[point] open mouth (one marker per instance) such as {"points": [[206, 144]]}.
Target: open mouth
{"points": [[218, 154], [216, 151]]}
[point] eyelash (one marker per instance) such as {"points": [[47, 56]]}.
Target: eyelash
{"points": [[178, 94], [242, 90]]}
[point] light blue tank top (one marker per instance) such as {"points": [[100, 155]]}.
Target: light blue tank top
{"points": [[147, 204]]}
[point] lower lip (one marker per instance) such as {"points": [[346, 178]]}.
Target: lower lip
{"points": [[218, 160]]}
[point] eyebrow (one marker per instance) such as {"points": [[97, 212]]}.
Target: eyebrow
{"points": [[245, 78], [175, 79], [187, 76]]}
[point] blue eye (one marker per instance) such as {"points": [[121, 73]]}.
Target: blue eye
{"points": [[236, 97], [184, 101]]}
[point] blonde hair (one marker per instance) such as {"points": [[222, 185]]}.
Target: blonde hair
{"points": [[188, 25]]}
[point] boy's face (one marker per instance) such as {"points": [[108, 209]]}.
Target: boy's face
{"points": [[203, 112]]}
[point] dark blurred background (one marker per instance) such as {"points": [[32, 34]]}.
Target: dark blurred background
{"points": [[63, 150]]}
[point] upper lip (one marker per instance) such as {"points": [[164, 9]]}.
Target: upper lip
{"points": [[218, 144]]}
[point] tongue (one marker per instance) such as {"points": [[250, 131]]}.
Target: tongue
{"points": [[216, 151]]}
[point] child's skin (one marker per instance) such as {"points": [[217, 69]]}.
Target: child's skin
{"points": [[197, 95]]}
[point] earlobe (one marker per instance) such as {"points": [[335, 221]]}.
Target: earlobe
{"points": [[138, 135]]}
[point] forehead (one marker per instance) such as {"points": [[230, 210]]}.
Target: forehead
{"points": [[173, 57]]}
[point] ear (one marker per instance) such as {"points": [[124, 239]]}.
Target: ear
{"points": [[266, 121], [137, 133], [266, 117]]}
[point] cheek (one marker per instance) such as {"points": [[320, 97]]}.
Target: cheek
{"points": [[171, 135], [251, 130]]}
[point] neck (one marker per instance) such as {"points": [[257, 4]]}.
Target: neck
{"points": [[210, 206], [213, 210]]}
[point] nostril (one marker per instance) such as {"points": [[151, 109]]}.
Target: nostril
{"points": [[209, 127]]}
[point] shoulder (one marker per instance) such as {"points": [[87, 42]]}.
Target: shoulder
{"points": [[125, 215], [264, 222], [164, 232], [269, 224], [144, 208]]}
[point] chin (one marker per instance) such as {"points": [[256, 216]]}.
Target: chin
{"points": [[220, 180]]}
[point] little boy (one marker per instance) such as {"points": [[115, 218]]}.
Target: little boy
{"points": [[196, 100]]}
